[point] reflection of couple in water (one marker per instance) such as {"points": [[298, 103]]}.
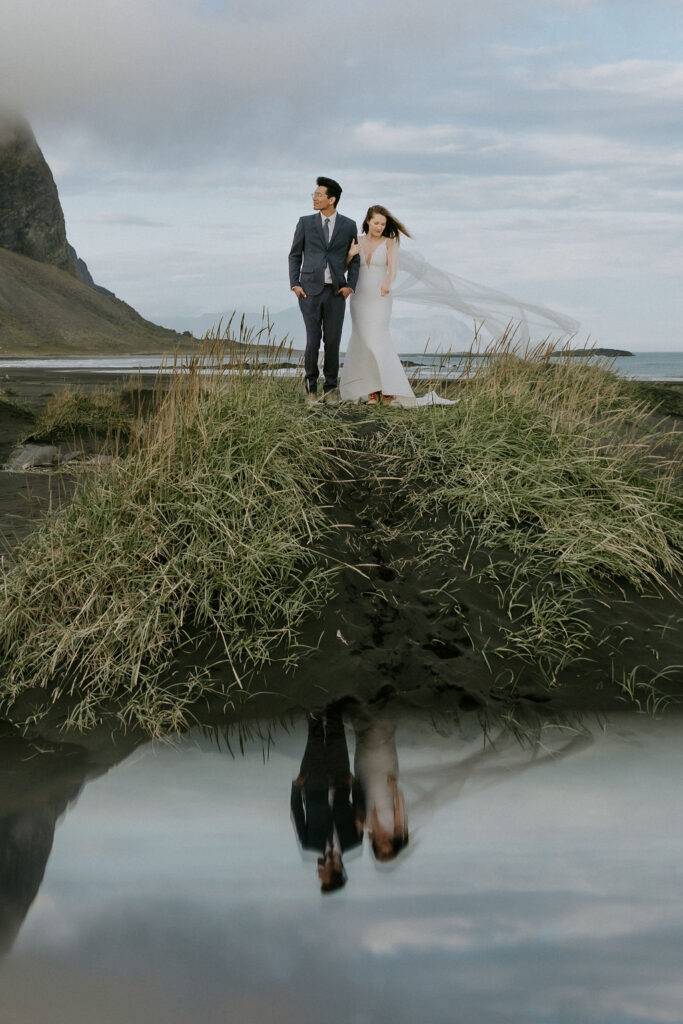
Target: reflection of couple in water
{"points": [[332, 808]]}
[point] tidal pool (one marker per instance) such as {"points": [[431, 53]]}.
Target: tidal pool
{"points": [[539, 882]]}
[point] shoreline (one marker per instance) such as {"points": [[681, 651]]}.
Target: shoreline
{"points": [[82, 368]]}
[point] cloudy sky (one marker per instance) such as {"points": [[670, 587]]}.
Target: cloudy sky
{"points": [[531, 145]]}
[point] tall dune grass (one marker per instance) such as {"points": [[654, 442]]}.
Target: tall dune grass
{"points": [[100, 413], [209, 525], [553, 461]]}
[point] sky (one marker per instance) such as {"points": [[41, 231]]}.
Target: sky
{"points": [[534, 146]]}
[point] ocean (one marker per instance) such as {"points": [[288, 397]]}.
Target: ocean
{"points": [[663, 366]]}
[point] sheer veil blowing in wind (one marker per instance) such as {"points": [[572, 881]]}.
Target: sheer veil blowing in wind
{"points": [[419, 282], [372, 371]]}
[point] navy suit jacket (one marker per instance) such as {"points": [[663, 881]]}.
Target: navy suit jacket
{"points": [[310, 253]]}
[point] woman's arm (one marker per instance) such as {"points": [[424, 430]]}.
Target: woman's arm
{"points": [[400, 822], [354, 250], [391, 257]]}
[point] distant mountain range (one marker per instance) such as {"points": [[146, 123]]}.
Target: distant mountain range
{"points": [[438, 331]]}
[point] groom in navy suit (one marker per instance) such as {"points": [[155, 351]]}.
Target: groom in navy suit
{"points": [[320, 279]]}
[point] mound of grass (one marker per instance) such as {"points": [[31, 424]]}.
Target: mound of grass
{"points": [[212, 527], [554, 463], [665, 399], [9, 404], [208, 526], [100, 413]]}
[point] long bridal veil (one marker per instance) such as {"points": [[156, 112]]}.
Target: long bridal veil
{"points": [[419, 282]]}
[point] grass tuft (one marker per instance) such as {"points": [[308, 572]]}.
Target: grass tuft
{"points": [[553, 461], [99, 413], [207, 527]]}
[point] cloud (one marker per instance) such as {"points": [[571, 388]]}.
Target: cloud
{"points": [[174, 75], [509, 52], [126, 220], [424, 140], [174, 85], [650, 79], [498, 956]]}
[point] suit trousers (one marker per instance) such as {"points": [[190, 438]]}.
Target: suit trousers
{"points": [[323, 318]]}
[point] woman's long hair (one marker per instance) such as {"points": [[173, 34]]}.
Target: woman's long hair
{"points": [[393, 229]]}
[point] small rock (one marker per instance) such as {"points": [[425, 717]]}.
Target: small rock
{"points": [[26, 456]]}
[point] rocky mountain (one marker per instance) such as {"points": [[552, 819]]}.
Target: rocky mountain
{"points": [[46, 311], [49, 303], [84, 274], [31, 218]]}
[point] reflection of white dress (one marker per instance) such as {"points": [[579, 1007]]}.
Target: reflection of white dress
{"points": [[371, 363], [375, 763]]}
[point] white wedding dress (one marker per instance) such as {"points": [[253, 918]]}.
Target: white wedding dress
{"points": [[371, 362], [376, 768]]}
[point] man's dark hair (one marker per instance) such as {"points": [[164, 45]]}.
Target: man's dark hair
{"points": [[337, 881], [334, 189]]}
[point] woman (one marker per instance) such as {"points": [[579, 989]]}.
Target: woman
{"points": [[376, 768], [372, 370]]}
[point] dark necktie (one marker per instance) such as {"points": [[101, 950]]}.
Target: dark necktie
{"points": [[326, 229]]}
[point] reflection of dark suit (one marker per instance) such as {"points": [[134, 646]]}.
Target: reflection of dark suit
{"points": [[325, 801], [322, 309]]}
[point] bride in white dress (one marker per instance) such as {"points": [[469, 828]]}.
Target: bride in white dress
{"points": [[372, 370], [376, 768]]}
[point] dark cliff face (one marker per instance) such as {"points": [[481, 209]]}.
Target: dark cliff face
{"points": [[48, 299], [31, 218]]}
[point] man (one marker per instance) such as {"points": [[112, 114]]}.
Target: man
{"points": [[327, 803], [319, 278]]}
